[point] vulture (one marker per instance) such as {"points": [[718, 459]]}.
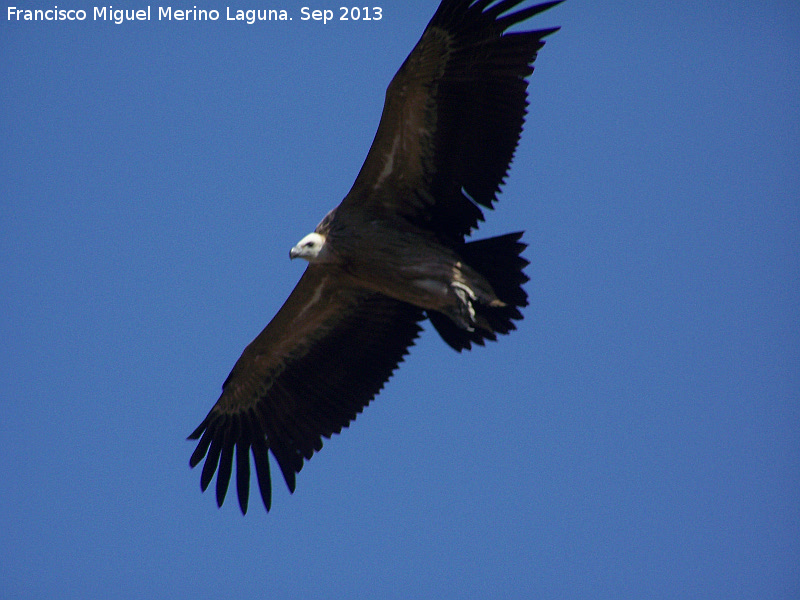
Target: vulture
{"points": [[393, 253]]}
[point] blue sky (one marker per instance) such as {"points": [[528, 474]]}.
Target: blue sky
{"points": [[636, 438]]}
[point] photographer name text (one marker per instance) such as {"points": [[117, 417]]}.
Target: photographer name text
{"points": [[119, 16]]}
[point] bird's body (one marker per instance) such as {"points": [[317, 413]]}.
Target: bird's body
{"points": [[417, 267], [393, 253]]}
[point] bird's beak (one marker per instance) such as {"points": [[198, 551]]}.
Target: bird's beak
{"points": [[294, 253]]}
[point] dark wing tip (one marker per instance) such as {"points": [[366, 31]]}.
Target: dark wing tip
{"points": [[261, 459], [520, 15], [199, 431], [543, 33], [217, 435], [223, 438], [202, 446], [243, 472], [226, 461], [480, 120]]}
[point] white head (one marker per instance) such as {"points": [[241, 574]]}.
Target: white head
{"points": [[310, 248]]}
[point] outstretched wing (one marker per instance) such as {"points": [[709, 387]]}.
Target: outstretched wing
{"points": [[452, 118], [307, 375]]}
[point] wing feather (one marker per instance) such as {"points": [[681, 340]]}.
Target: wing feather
{"points": [[318, 363], [261, 459], [243, 465], [226, 459], [452, 118]]}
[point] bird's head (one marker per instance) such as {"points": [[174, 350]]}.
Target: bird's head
{"points": [[310, 248]]}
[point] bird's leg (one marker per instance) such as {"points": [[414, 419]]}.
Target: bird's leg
{"points": [[465, 309]]}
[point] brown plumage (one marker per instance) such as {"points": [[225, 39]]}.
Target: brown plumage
{"points": [[392, 253]]}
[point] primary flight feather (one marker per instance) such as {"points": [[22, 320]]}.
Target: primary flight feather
{"points": [[391, 254]]}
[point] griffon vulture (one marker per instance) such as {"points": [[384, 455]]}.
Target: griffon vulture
{"points": [[392, 253]]}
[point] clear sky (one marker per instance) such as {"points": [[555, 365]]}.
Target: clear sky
{"points": [[637, 437]]}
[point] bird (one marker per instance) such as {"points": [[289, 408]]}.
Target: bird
{"points": [[394, 252]]}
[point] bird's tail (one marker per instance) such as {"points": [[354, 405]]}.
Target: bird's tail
{"points": [[498, 260]]}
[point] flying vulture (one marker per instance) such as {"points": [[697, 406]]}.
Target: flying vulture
{"points": [[392, 254]]}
